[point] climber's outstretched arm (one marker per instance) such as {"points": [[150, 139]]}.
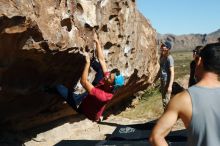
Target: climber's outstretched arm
{"points": [[100, 54], [84, 78]]}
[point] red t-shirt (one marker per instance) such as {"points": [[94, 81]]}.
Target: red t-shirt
{"points": [[94, 104]]}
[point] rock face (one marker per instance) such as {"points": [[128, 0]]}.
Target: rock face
{"points": [[190, 41], [41, 44]]}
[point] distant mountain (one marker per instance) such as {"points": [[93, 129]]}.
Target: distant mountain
{"points": [[189, 41]]}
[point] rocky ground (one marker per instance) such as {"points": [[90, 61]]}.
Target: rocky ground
{"points": [[75, 129], [71, 130], [84, 130], [79, 128]]}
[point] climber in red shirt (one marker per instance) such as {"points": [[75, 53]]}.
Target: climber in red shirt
{"points": [[99, 92]]}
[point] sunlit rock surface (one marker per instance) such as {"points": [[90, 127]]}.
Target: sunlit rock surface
{"points": [[41, 44]]}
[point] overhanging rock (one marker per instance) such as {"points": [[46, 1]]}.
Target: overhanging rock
{"points": [[41, 44]]}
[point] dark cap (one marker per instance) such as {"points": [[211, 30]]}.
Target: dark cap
{"points": [[167, 44]]}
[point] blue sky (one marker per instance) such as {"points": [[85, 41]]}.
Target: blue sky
{"points": [[182, 16]]}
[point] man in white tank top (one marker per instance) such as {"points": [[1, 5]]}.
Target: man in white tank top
{"points": [[184, 104]]}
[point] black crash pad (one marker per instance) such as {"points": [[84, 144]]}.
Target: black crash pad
{"points": [[110, 143], [130, 135], [137, 132], [132, 132]]}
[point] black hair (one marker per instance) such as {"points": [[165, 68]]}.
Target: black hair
{"points": [[197, 50], [210, 55], [115, 71]]}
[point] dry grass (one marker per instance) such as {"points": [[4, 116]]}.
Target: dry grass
{"points": [[182, 63], [149, 107], [150, 104]]}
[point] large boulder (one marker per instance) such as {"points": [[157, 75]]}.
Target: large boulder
{"points": [[41, 44]]}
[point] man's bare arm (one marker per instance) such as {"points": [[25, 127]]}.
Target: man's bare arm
{"points": [[169, 89], [100, 54], [167, 120], [162, 128], [84, 78]]}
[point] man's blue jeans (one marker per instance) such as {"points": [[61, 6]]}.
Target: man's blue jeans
{"points": [[75, 99]]}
